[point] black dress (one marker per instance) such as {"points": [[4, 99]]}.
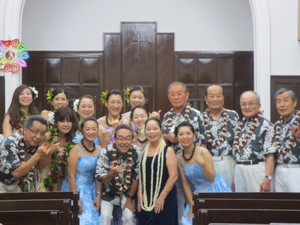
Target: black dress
{"points": [[169, 214]]}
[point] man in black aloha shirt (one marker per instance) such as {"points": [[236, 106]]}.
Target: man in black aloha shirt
{"points": [[219, 126], [287, 142], [119, 179], [19, 156], [253, 147], [178, 96]]}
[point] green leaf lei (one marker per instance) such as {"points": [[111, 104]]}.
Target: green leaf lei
{"points": [[59, 161]]}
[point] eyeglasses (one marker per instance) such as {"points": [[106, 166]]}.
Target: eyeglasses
{"points": [[35, 133], [244, 104], [129, 138]]}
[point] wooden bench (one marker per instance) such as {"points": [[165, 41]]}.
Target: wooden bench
{"points": [[239, 200], [63, 206], [248, 216], [66, 198], [29, 217]]}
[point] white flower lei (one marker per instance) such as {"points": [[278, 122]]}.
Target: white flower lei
{"points": [[75, 105], [291, 139], [239, 144], [148, 204], [222, 135], [36, 93]]}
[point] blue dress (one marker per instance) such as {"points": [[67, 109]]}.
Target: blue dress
{"points": [[86, 186], [199, 183]]}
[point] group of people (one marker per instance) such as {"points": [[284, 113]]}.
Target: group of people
{"points": [[140, 167]]}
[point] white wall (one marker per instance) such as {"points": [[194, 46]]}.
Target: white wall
{"points": [[204, 25], [285, 47]]}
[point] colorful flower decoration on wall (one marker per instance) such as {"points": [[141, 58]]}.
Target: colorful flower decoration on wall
{"points": [[12, 55]]}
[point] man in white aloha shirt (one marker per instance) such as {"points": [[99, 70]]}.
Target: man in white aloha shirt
{"points": [[253, 147]]}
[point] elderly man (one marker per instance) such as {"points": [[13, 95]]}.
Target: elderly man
{"points": [[178, 96], [253, 148], [219, 126], [19, 156], [287, 142], [118, 169]]}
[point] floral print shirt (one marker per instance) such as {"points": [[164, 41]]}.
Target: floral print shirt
{"points": [[10, 158], [109, 191], [195, 118], [292, 156], [215, 126], [260, 143]]}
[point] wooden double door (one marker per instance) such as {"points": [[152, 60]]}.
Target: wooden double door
{"points": [[139, 55]]}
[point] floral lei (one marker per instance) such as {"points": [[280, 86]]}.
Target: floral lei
{"points": [[59, 160], [222, 135], [237, 144], [26, 179], [291, 139], [127, 93], [24, 115], [122, 188], [149, 204], [171, 114]]}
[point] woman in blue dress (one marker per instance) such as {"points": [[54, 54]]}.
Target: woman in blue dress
{"points": [[196, 169], [81, 173]]}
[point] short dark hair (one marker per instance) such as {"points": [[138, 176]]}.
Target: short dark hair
{"points": [[138, 107], [153, 119], [138, 88], [184, 124], [33, 118], [57, 91], [65, 113], [89, 118], [123, 126], [282, 90], [114, 92], [214, 85]]}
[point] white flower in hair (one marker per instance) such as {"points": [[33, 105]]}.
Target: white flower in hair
{"points": [[51, 117], [75, 105], [36, 93]]}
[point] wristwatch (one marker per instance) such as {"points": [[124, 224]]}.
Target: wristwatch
{"points": [[268, 177]]}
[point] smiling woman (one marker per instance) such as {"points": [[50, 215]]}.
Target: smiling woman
{"points": [[22, 106]]}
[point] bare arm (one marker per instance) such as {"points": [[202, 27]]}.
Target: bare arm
{"points": [[270, 165], [171, 161], [7, 128], [72, 167], [205, 160], [186, 186]]}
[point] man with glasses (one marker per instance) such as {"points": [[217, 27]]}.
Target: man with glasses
{"points": [[117, 169], [253, 148], [19, 156]]}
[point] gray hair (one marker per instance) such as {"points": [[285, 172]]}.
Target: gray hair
{"points": [[251, 92], [177, 83], [33, 118], [282, 90]]}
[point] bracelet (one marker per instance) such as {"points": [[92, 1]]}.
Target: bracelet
{"points": [[98, 192]]}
